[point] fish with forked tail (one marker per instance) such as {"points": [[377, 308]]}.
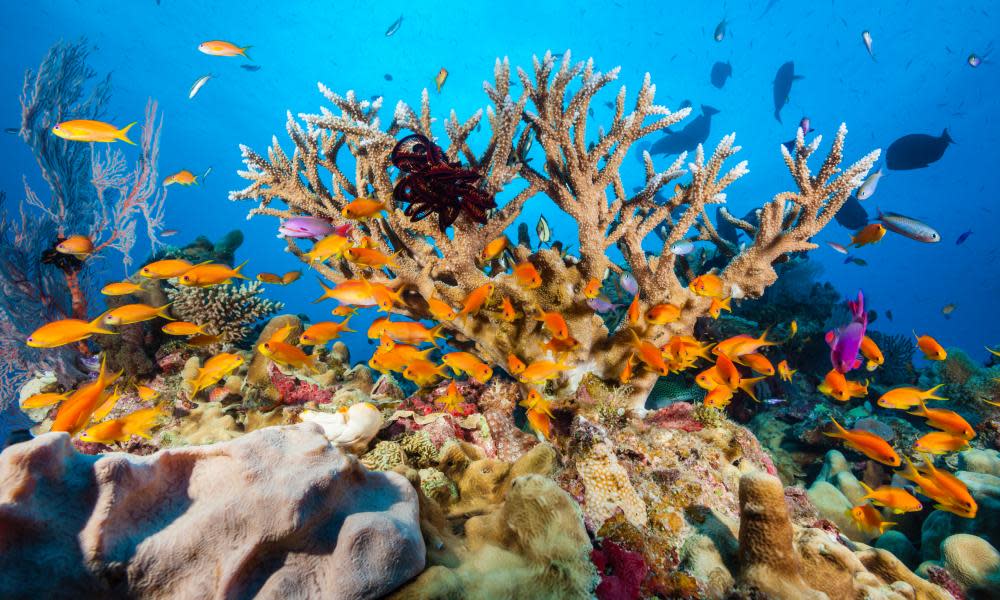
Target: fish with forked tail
{"points": [[782, 86]]}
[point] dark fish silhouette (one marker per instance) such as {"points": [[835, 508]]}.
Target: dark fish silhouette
{"points": [[852, 215], [394, 27], [721, 71], [720, 31], [250, 67], [782, 87], [961, 239], [687, 139], [916, 151]]}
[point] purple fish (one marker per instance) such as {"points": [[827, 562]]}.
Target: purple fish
{"points": [[601, 305], [305, 227], [846, 341], [629, 283]]}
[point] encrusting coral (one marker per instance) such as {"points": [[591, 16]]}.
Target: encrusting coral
{"points": [[581, 177]]}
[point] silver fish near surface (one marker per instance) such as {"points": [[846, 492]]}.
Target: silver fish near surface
{"points": [[909, 227], [196, 87], [866, 37], [867, 189], [394, 27]]}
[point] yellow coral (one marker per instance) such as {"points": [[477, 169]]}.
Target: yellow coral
{"points": [[607, 487]]}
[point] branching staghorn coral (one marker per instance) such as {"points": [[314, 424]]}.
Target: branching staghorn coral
{"points": [[228, 311], [580, 174]]}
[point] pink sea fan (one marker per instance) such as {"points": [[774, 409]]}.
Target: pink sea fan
{"points": [[622, 572]]}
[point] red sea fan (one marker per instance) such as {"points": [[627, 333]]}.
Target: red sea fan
{"points": [[622, 572]]}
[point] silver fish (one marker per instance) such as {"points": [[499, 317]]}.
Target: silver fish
{"points": [[543, 231], [867, 189], [682, 247], [394, 27], [197, 85], [601, 305], [629, 284], [720, 31], [866, 37], [909, 227], [773, 401]]}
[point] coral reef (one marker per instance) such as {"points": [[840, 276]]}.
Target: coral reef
{"points": [[229, 312], [160, 526], [583, 180]]}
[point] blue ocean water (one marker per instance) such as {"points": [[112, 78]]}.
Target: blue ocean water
{"points": [[920, 82]]}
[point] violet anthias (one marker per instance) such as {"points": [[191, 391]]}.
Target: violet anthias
{"points": [[846, 341]]}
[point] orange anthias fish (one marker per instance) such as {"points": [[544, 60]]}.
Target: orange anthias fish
{"points": [[66, 331], [371, 258], [541, 371], [363, 208], [710, 379], [557, 346], [352, 292], [183, 177], [85, 130], [836, 386], [385, 297], [866, 443], [717, 306], [539, 414], [452, 398], [708, 285], [464, 362], [554, 323], [869, 234], [325, 331], [214, 370], [650, 355], [515, 365], [941, 442], [146, 393], [494, 248], [76, 411], [718, 397], [43, 400], [867, 517], [592, 289], [738, 345], [952, 494], [527, 275], [424, 372], [634, 311], [288, 355], [121, 288], [758, 362], [409, 332], [211, 274], [135, 313], [945, 420], [223, 48], [274, 278], [203, 340], [166, 269], [139, 422], [626, 375], [786, 372], [331, 246], [397, 357], [507, 312], [344, 311], [107, 406], [908, 397], [930, 347], [871, 351], [79, 246], [476, 299], [894, 498], [728, 371], [441, 310], [440, 78], [661, 314]]}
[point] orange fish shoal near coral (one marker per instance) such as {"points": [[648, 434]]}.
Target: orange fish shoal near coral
{"points": [[907, 397], [708, 285], [941, 442], [475, 299], [135, 313], [86, 130], [930, 347], [441, 310], [363, 208], [464, 362], [867, 443], [323, 332], [554, 323], [79, 246], [223, 48], [166, 269], [211, 274]]}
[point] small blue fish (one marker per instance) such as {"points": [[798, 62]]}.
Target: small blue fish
{"points": [[773, 401], [682, 248], [629, 284], [961, 239], [601, 305]]}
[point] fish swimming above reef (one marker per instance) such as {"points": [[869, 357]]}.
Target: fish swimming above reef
{"points": [[85, 130], [909, 227], [223, 48], [845, 343], [806, 126], [721, 71], [687, 139], [852, 215], [916, 151], [720, 31], [782, 86]]}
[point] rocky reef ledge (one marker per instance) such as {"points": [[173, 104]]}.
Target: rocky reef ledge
{"points": [[277, 513]]}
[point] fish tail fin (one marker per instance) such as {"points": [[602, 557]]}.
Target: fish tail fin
{"points": [[162, 312], [777, 114], [327, 291], [946, 136], [243, 51], [95, 325], [885, 525], [747, 385], [839, 433], [311, 361], [867, 489], [725, 304], [930, 395], [236, 272], [923, 409], [344, 328], [122, 133]]}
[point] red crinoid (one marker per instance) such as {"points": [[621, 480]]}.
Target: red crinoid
{"points": [[432, 185]]}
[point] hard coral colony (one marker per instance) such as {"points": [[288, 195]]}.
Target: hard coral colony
{"points": [[417, 463]]}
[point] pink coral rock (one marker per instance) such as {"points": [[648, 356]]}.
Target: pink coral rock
{"points": [[277, 513]]}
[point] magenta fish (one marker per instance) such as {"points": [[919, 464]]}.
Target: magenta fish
{"points": [[305, 227], [846, 341]]}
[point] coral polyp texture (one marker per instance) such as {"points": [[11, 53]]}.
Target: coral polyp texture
{"points": [[580, 173]]}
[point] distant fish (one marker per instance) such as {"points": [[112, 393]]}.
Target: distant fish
{"points": [[224, 48], [246, 67], [687, 139], [974, 61], [909, 227], [168, 232], [837, 247], [196, 87], [852, 215], [720, 31], [682, 248], [867, 188], [806, 126], [782, 86], [394, 27], [961, 239], [773, 401], [440, 78], [721, 71], [663, 232], [858, 261], [888, 314], [916, 151], [12, 130], [629, 284], [387, 77], [543, 231], [947, 310], [866, 37]]}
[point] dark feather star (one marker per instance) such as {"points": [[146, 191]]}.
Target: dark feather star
{"points": [[433, 185]]}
